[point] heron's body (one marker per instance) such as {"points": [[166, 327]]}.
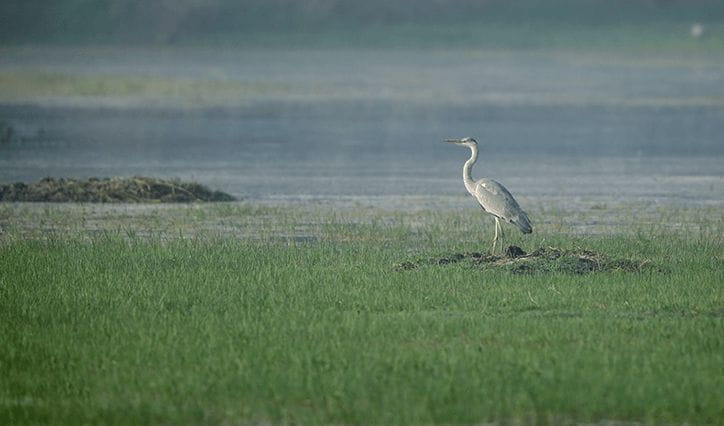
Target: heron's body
{"points": [[492, 196]]}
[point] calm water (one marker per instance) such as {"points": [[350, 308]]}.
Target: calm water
{"points": [[369, 123]]}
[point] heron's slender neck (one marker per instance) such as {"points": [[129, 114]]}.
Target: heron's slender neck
{"points": [[467, 177]]}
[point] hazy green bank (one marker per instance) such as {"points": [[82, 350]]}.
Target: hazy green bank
{"points": [[340, 23], [484, 34], [469, 34], [112, 328]]}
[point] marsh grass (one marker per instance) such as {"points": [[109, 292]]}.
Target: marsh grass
{"points": [[117, 329]]}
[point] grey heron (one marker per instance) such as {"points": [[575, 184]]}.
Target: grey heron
{"points": [[492, 196]]}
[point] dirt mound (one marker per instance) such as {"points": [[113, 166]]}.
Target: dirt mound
{"points": [[544, 259], [110, 190]]}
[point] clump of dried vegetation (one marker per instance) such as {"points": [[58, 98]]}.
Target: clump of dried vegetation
{"points": [[135, 189], [543, 259]]}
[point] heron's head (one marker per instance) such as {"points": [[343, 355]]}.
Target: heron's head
{"points": [[470, 142]]}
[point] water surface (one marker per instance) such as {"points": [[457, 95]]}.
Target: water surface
{"points": [[369, 123]]}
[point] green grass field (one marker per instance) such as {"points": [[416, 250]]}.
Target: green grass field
{"points": [[116, 328]]}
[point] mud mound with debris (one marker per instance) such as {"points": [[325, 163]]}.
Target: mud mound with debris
{"points": [[110, 190], [541, 260]]}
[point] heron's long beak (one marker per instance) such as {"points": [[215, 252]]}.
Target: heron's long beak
{"points": [[452, 140]]}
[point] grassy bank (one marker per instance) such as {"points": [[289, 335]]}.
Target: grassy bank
{"points": [[423, 23], [112, 328]]}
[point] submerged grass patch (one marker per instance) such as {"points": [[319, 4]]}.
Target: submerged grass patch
{"points": [[110, 190], [21, 85], [111, 329]]}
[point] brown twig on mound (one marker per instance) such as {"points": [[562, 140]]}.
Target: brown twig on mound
{"points": [[135, 189]]}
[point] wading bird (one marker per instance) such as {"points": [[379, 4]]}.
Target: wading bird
{"points": [[492, 196]]}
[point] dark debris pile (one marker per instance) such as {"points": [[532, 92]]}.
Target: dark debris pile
{"points": [[543, 259]]}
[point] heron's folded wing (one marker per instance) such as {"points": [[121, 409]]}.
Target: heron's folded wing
{"points": [[496, 199]]}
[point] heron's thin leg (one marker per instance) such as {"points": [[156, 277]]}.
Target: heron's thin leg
{"points": [[502, 235], [495, 239], [498, 236]]}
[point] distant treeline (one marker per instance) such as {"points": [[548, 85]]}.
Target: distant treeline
{"points": [[203, 21]]}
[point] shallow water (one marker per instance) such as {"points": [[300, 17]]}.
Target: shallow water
{"points": [[337, 125]]}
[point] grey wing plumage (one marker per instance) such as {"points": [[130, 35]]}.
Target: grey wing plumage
{"points": [[498, 201]]}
